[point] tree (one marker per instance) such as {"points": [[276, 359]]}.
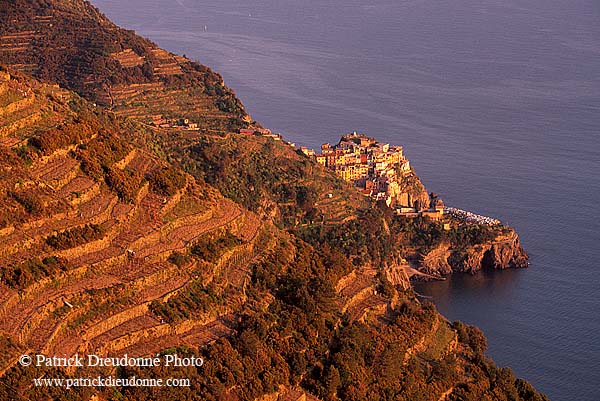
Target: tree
{"points": [[332, 382]]}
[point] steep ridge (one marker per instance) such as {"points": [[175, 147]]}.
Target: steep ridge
{"points": [[71, 43], [107, 246], [72, 230]]}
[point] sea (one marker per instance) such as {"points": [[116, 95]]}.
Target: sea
{"points": [[497, 105]]}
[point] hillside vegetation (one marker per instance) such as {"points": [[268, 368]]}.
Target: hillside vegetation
{"points": [[71, 43], [118, 236]]}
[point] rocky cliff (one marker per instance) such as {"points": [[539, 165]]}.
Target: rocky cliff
{"points": [[503, 252], [410, 191]]}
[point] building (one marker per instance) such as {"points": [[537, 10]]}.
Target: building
{"points": [[370, 165], [276, 137], [439, 206], [307, 152], [432, 214]]}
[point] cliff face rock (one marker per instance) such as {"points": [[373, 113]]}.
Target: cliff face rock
{"points": [[504, 252], [410, 191], [436, 261], [507, 253]]}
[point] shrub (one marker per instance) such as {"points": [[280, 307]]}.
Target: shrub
{"points": [[167, 180], [210, 249], [124, 182], [24, 274], [64, 135], [196, 299], [178, 259], [464, 236], [31, 202], [75, 236], [99, 154]]}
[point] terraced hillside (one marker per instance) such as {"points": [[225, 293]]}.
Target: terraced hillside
{"points": [[107, 249], [121, 236], [265, 175], [71, 43], [73, 232]]}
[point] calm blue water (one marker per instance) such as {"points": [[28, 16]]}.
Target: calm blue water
{"points": [[497, 103]]}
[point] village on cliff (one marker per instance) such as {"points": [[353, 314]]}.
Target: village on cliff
{"points": [[381, 172]]}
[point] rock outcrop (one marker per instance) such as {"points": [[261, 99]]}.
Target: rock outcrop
{"points": [[410, 191], [504, 252]]}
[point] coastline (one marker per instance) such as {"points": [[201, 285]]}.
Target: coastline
{"points": [[283, 263]]}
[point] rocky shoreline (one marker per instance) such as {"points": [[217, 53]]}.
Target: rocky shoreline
{"points": [[504, 252]]}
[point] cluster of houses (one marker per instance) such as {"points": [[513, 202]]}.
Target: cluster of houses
{"points": [[376, 168], [262, 132], [372, 166], [179, 123]]}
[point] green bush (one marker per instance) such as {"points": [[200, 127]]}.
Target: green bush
{"points": [[124, 182], [64, 135], [178, 259], [469, 235], [98, 155], [196, 299], [31, 202]]}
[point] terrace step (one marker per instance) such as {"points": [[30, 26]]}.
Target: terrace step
{"points": [[138, 323], [152, 341]]}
